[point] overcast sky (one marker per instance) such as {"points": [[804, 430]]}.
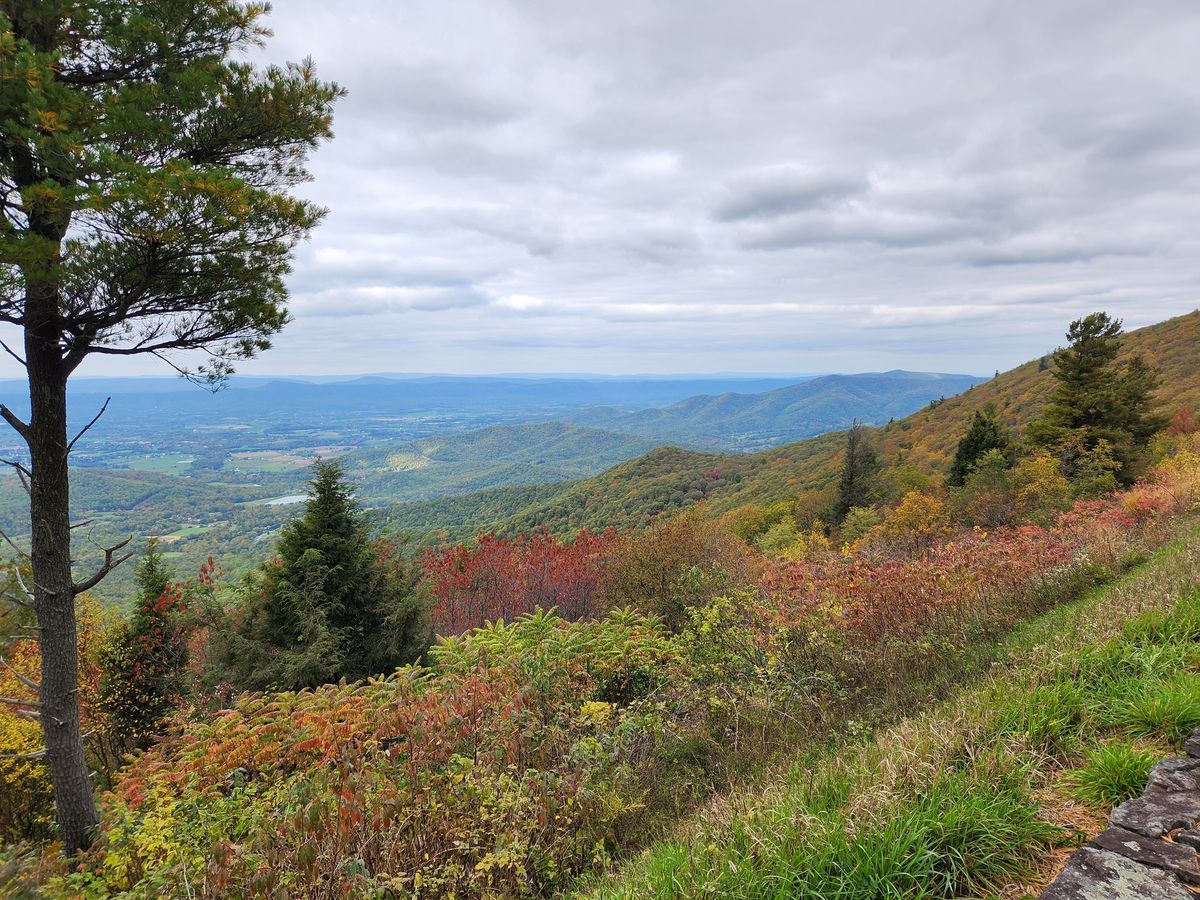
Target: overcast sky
{"points": [[758, 186]]}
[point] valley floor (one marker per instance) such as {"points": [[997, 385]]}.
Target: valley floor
{"points": [[984, 795]]}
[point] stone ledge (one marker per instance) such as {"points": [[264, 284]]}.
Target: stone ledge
{"points": [[1094, 874], [1150, 848], [1178, 859]]}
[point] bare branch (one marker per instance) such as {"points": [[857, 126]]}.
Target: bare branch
{"points": [[13, 598], [9, 351], [83, 524], [39, 754], [22, 757], [16, 570], [110, 563], [23, 473], [13, 701], [28, 682], [14, 546], [95, 419], [14, 420]]}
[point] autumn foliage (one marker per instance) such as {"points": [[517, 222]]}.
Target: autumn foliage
{"points": [[26, 799], [526, 751], [505, 577], [496, 773]]}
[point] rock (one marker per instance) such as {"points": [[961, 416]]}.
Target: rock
{"points": [[1095, 874], [1180, 773], [1156, 812], [1192, 745], [1190, 837], [1176, 858]]}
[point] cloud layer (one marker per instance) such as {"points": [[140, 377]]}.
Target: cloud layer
{"points": [[554, 185]]}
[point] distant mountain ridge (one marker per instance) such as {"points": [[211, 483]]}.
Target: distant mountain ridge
{"points": [[666, 479], [739, 421], [512, 455]]}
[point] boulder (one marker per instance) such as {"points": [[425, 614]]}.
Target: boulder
{"points": [[1192, 745], [1190, 837]]}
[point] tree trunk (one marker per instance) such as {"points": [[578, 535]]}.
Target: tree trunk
{"points": [[53, 587]]}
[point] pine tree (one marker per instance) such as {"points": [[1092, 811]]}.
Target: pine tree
{"points": [[333, 604], [146, 166], [858, 485], [986, 433], [1097, 401]]}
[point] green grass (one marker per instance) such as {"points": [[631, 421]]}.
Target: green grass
{"points": [[266, 461], [187, 531], [170, 464], [1114, 773], [960, 800]]}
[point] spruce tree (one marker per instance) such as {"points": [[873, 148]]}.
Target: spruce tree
{"points": [[986, 433], [333, 604], [858, 485], [1096, 401]]}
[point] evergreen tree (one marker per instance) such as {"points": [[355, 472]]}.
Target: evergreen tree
{"points": [[1096, 400], [146, 166], [859, 483], [333, 604], [144, 660], [1137, 384], [986, 433]]}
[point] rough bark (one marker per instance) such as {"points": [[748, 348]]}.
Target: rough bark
{"points": [[53, 587]]}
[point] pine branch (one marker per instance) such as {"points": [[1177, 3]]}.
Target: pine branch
{"points": [[12, 419], [110, 562], [28, 682], [95, 419]]}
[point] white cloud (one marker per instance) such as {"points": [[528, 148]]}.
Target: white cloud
{"points": [[521, 303], [633, 186]]}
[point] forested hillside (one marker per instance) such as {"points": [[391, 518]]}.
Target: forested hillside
{"points": [[637, 491], [221, 473], [510, 455]]}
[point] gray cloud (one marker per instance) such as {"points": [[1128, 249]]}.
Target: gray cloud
{"points": [[702, 186], [780, 190]]}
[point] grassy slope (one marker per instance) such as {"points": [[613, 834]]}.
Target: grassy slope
{"points": [[668, 478], [984, 794]]}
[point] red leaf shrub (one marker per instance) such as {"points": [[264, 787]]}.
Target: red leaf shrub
{"points": [[506, 577]]}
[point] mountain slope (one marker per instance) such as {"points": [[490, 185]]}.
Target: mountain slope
{"points": [[500, 455], [665, 479], [738, 421]]}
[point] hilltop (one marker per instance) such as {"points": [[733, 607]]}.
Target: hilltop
{"points": [[635, 492]]}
